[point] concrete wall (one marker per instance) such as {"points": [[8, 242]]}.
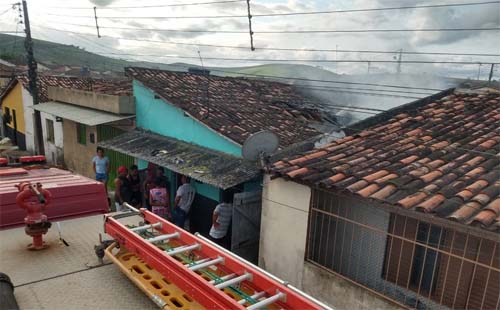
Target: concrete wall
{"points": [[53, 151], [340, 293], [283, 233], [284, 224], [78, 157], [165, 119], [93, 100]]}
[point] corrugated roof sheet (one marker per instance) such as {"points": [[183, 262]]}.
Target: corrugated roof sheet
{"points": [[440, 158], [202, 164], [235, 107], [90, 117]]}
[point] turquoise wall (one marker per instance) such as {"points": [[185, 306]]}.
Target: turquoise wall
{"points": [[253, 185], [206, 190], [165, 119]]}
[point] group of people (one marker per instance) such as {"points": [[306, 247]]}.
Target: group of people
{"points": [[153, 194]]}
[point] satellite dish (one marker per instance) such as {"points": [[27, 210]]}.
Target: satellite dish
{"points": [[260, 145]]}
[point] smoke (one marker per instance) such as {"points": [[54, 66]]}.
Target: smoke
{"points": [[101, 2]]}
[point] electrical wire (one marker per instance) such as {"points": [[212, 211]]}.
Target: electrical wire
{"points": [[306, 60], [282, 14], [146, 6], [305, 79], [280, 49], [284, 31]]}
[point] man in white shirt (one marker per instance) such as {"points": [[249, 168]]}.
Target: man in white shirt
{"points": [[221, 219], [183, 201]]}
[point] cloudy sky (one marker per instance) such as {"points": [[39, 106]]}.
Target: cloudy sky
{"points": [[51, 21]]}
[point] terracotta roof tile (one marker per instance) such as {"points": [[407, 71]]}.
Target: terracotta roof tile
{"points": [[441, 158], [384, 192], [367, 191], [431, 203], [235, 107]]}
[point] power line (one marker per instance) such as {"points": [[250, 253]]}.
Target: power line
{"points": [[327, 88], [280, 49], [311, 80], [146, 6], [301, 60], [377, 9], [287, 31], [279, 14]]}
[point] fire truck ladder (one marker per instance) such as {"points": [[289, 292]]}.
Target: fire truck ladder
{"points": [[208, 274]]}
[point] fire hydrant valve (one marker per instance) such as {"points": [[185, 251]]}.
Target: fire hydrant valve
{"points": [[34, 199]]}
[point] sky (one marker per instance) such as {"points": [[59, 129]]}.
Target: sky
{"points": [[54, 14]]}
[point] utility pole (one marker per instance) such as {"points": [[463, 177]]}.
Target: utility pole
{"points": [[491, 73], [33, 87]]}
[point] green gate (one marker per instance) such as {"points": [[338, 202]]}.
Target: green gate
{"points": [[116, 159]]}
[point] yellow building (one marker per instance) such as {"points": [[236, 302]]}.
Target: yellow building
{"points": [[13, 117]]}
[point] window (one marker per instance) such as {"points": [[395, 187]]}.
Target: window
{"points": [[7, 118], [49, 125], [81, 133], [412, 262]]}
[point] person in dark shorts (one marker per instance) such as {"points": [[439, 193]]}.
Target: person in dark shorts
{"points": [[221, 220], [100, 165], [135, 186], [123, 191]]}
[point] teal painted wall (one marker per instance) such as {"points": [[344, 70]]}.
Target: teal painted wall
{"points": [[206, 190], [252, 186], [142, 164], [165, 119]]}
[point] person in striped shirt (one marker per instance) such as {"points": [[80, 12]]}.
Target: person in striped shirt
{"points": [[221, 219]]}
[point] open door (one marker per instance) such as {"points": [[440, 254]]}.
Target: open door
{"points": [[247, 207]]}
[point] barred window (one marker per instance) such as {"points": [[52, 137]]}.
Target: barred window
{"points": [[409, 261]]}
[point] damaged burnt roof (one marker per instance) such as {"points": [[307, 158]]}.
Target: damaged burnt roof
{"points": [[440, 158], [211, 167], [235, 107], [116, 87]]}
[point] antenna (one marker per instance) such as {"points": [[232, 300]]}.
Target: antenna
{"points": [[260, 146], [207, 93]]}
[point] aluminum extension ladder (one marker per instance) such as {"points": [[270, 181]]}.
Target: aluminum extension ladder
{"points": [[267, 290]]}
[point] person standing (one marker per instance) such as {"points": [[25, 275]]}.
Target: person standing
{"points": [[122, 188], [151, 174], [100, 165], [183, 201], [159, 198], [221, 219], [135, 186]]}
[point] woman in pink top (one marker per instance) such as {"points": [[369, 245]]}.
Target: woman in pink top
{"points": [[159, 199]]}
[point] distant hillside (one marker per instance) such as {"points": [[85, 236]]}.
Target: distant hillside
{"points": [[55, 54]]}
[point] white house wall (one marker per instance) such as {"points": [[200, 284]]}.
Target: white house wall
{"points": [[53, 151], [28, 120]]}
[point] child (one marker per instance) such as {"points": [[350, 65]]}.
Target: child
{"points": [[158, 199]]}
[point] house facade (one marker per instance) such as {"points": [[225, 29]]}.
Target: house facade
{"points": [[76, 118], [195, 124], [403, 212], [17, 118]]}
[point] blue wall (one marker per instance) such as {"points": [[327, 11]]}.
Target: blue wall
{"points": [[165, 119]]}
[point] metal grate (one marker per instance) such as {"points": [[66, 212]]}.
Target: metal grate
{"points": [[406, 260]]}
